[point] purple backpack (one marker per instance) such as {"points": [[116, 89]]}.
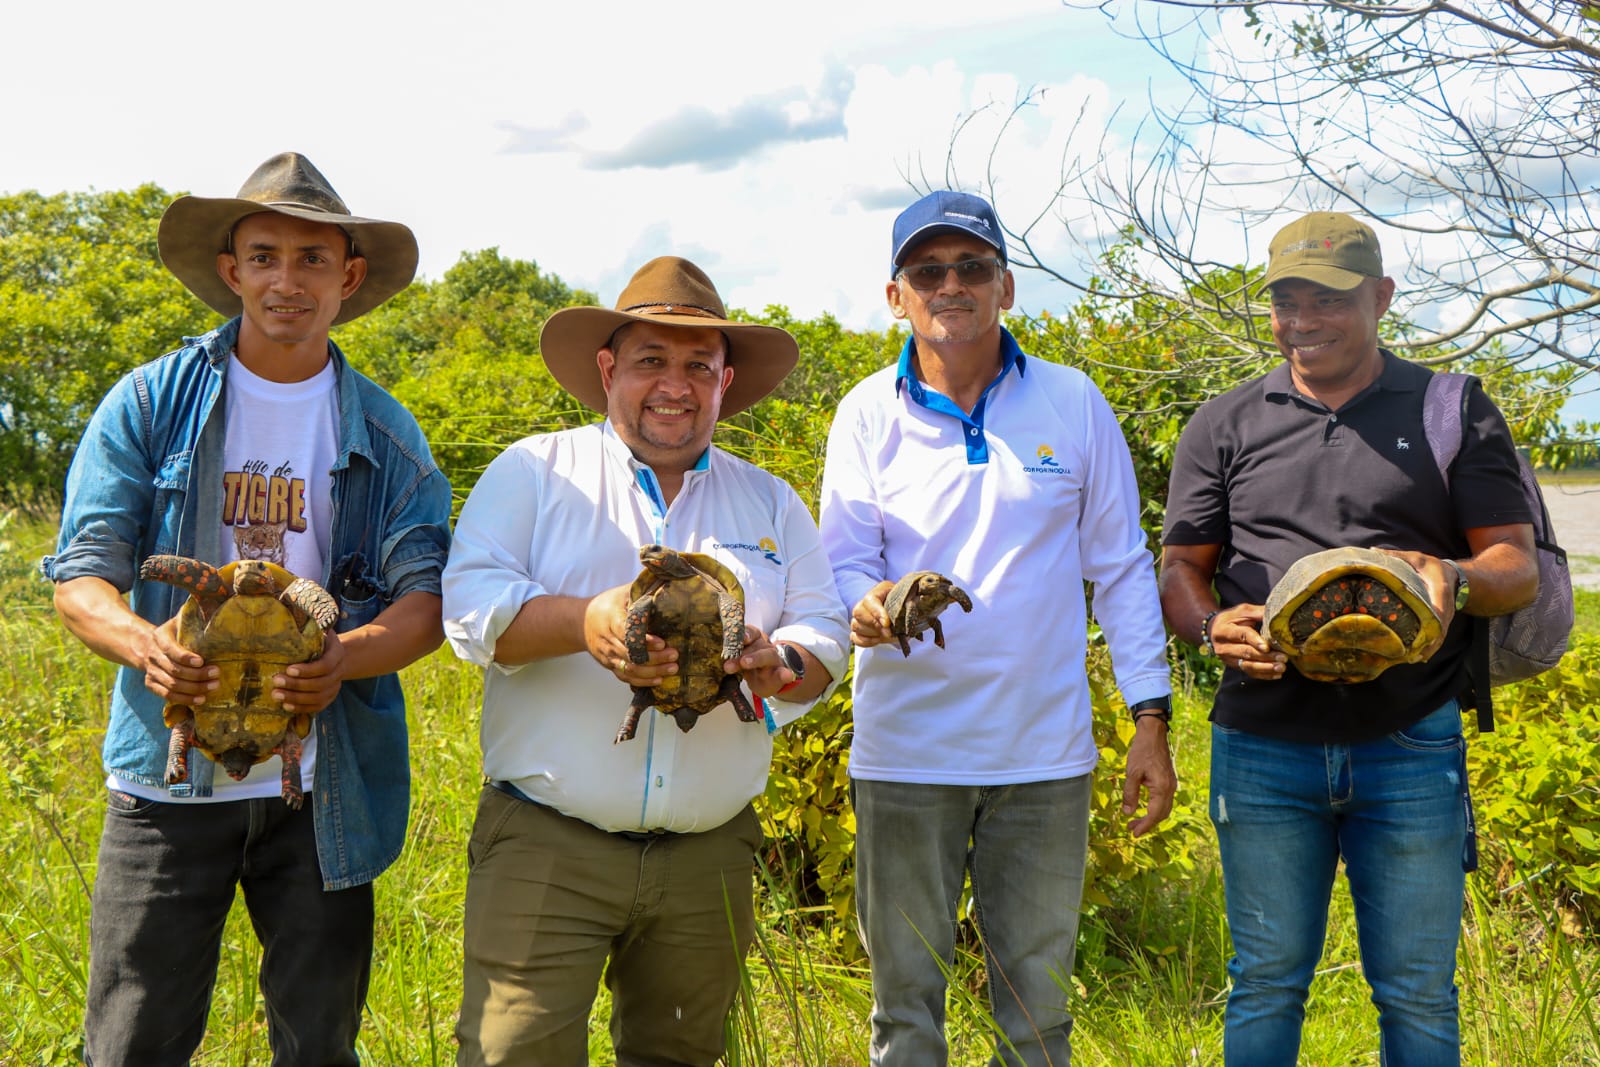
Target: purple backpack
{"points": [[1506, 648]]}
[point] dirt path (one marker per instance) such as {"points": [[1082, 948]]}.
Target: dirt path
{"points": [[1575, 513]]}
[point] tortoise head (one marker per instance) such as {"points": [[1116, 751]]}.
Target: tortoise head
{"points": [[252, 577], [237, 762], [664, 562], [939, 590]]}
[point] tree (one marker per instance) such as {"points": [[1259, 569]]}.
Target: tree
{"points": [[462, 354], [1468, 128], [83, 297]]}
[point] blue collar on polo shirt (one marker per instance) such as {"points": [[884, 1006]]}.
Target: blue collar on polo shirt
{"points": [[646, 479], [1011, 355]]}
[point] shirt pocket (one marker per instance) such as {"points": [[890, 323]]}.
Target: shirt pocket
{"points": [[171, 485], [357, 587]]}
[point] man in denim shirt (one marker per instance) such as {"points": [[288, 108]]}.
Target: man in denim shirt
{"points": [[256, 440]]}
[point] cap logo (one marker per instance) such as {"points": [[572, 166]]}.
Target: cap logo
{"points": [[970, 218], [1306, 246]]}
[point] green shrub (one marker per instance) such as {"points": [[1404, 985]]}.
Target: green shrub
{"points": [[1535, 785], [810, 827]]}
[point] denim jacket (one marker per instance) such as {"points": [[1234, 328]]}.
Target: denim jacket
{"points": [[146, 479]]}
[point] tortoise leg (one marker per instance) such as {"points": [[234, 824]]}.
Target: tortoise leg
{"points": [[733, 693], [630, 722], [196, 577], [905, 646], [731, 610], [308, 600], [634, 631], [938, 631], [178, 744], [289, 748]]}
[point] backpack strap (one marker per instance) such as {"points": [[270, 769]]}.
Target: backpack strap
{"points": [[1444, 417], [1444, 424]]}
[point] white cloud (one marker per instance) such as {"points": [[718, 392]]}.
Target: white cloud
{"points": [[775, 150]]}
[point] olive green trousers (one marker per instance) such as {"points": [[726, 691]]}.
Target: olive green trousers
{"points": [[555, 905]]}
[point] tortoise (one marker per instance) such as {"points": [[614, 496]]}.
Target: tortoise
{"points": [[250, 619], [914, 605], [696, 605], [1349, 614]]}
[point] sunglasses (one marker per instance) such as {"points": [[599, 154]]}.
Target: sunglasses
{"points": [[926, 276]]}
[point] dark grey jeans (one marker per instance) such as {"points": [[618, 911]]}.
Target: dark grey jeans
{"points": [[166, 878], [1025, 846]]}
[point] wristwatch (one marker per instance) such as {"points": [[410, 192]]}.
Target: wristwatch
{"points": [[1463, 587], [794, 661], [1154, 708]]}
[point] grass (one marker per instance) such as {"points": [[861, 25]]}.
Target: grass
{"points": [[1572, 476], [1149, 987], [1586, 607]]}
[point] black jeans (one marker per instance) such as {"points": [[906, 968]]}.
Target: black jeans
{"points": [[166, 879]]}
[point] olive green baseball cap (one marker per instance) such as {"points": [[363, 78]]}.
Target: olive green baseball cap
{"points": [[1326, 247]]}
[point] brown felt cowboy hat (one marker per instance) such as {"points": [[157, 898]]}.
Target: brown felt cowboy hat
{"points": [[672, 292], [195, 229]]}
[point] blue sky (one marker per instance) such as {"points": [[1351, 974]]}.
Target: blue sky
{"points": [[772, 145], [773, 150]]}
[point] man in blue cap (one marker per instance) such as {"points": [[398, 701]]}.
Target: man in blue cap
{"points": [[1010, 476]]}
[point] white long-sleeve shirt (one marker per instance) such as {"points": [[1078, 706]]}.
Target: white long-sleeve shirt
{"points": [[565, 514], [1019, 503]]}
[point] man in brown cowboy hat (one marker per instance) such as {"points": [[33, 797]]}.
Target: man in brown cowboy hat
{"points": [[257, 441], [587, 848]]}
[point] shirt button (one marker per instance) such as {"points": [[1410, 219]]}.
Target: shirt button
{"points": [[660, 781], [1333, 418], [973, 431]]}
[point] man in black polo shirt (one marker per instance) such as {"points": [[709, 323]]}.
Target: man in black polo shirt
{"points": [[1328, 450]]}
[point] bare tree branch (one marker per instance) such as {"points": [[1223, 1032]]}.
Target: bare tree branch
{"points": [[1467, 130]]}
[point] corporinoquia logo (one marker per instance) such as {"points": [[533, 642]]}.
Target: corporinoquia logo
{"points": [[1045, 456], [767, 549]]}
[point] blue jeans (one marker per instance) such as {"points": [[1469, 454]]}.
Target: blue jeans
{"points": [[1397, 811], [166, 877], [1025, 847]]}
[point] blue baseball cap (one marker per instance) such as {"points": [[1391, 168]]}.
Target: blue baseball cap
{"points": [[946, 211]]}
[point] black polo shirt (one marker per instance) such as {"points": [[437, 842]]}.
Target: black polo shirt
{"points": [[1272, 475]]}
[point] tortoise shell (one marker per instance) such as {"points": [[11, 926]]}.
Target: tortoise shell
{"points": [[914, 604], [1349, 614], [696, 605], [250, 620]]}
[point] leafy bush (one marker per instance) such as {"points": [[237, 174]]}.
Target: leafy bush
{"points": [[810, 827], [1535, 787]]}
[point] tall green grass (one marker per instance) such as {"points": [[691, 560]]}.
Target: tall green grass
{"points": [[1149, 987]]}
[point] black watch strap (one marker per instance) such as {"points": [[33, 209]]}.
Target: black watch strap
{"points": [[1155, 707]]}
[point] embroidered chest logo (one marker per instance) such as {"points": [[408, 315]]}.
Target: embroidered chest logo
{"points": [[1045, 458], [767, 549], [1402, 445]]}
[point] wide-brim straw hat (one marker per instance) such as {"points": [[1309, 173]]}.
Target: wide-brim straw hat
{"points": [[194, 229], [673, 292]]}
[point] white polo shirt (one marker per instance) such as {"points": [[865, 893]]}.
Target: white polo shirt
{"points": [[565, 514], [1020, 503]]}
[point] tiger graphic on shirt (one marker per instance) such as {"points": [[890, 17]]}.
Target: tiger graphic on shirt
{"points": [[263, 509], [260, 540]]}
